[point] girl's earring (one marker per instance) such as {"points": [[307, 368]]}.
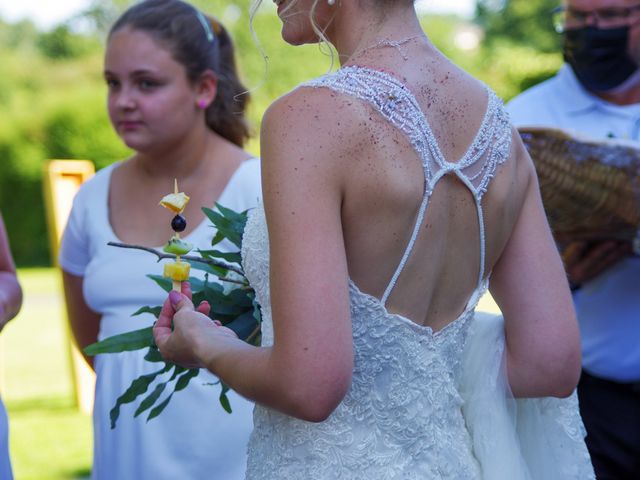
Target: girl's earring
{"points": [[331, 2], [202, 104]]}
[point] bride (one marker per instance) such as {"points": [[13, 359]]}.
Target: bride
{"points": [[396, 193]]}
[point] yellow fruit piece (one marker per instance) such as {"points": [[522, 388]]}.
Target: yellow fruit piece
{"points": [[175, 201], [177, 271]]}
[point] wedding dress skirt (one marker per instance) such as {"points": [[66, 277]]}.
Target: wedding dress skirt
{"points": [[422, 404], [516, 439]]}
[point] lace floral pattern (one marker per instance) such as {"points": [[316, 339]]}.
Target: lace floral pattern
{"points": [[401, 418]]}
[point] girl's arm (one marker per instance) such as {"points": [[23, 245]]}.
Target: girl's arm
{"points": [[10, 291]]}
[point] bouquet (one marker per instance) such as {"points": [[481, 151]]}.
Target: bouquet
{"points": [[231, 298]]}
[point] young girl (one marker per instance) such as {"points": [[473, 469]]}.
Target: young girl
{"points": [[175, 99]]}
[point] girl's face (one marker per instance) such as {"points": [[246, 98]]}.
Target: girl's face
{"points": [[296, 19], [152, 105]]}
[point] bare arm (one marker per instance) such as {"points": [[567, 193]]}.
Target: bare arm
{"points": [[530, 286], [10, 291], [308, 370], [84, 322]]}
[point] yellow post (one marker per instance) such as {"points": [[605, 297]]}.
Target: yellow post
{"points": [[62, 179]]}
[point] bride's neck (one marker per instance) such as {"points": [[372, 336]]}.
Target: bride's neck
{"points": [[357, 28]]}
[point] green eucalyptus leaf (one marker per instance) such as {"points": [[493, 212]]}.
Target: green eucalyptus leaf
{"points": [[231, 257], [155, 311], [224, 400], [230, 229], [217, 238], [148, 402], [239, 218], [157, 410], [242, 298], [213, 269], [183, 381], [153, 355], [138, 387], [244, 325], [196, 284], [177, 370], [124, 342], [165, 283]]}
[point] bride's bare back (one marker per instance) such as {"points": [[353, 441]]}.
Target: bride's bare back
{"points": [[386, 185]]}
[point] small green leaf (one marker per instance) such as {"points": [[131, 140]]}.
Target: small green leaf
{"points": [[224, 400], [244, 325], [157, 410], [177, 370], [230, 229], [183, 381], [137, 388], [238, 217], [165, 283], [231, 257], [124, 342], [153, 355], [213, 269], [155, 311], [150, 399], [218, 237]]}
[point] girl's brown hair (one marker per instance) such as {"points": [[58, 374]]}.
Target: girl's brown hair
{"points": [[199, 43]]}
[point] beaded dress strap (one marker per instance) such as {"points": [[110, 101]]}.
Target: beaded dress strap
{"points": [[395, 102]]}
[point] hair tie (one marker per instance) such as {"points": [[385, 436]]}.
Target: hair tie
{"points": [[206, 25]]}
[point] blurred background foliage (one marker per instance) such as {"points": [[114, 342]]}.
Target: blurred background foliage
{"points": [[52, 95]]}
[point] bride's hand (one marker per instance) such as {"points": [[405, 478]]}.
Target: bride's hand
{"points": [[193, 331]]}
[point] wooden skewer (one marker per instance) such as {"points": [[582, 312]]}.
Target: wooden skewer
{"points": [[176, 285]]}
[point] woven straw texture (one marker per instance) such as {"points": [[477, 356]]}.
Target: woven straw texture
{"points": [[590, 188]]}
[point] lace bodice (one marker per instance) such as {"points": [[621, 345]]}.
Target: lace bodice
{"points": [[401, 417]]}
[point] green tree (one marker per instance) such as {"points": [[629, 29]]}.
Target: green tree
{"points": [[62, 42], [524, 22]]}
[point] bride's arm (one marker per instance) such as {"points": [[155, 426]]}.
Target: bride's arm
{"points": [[308, 370], [530, 286]]}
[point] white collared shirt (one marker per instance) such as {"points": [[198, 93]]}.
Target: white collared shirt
{"points": [[608, 307]]}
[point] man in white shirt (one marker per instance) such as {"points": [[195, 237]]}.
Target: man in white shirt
{"points": [[597, 93]]}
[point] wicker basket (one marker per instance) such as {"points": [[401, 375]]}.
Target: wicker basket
{"points": [[590, 188]]}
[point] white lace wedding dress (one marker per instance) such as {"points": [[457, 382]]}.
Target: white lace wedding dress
{"points": [[422, 404]]}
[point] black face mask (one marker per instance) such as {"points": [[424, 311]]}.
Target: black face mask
{"points": [[599, 57]]}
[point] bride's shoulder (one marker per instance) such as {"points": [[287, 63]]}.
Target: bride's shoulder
{"points": [[311, 128], [313, 112]]}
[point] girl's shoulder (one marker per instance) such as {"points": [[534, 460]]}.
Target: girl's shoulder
{"points": [[95, 187]]}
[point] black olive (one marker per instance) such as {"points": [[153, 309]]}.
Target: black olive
{"points": [[178, 223]]}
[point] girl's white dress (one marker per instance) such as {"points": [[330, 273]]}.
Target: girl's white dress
{"points": [[193, 438], [422, 404]]}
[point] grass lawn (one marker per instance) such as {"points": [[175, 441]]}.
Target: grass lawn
{"points": [[49, 437]]}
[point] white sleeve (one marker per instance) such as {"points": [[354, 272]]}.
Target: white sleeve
{"points": [[249, 185], [73, 256]]}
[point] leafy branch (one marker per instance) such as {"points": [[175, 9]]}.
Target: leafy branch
{"points": [[235, 306], [191, 258]]}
